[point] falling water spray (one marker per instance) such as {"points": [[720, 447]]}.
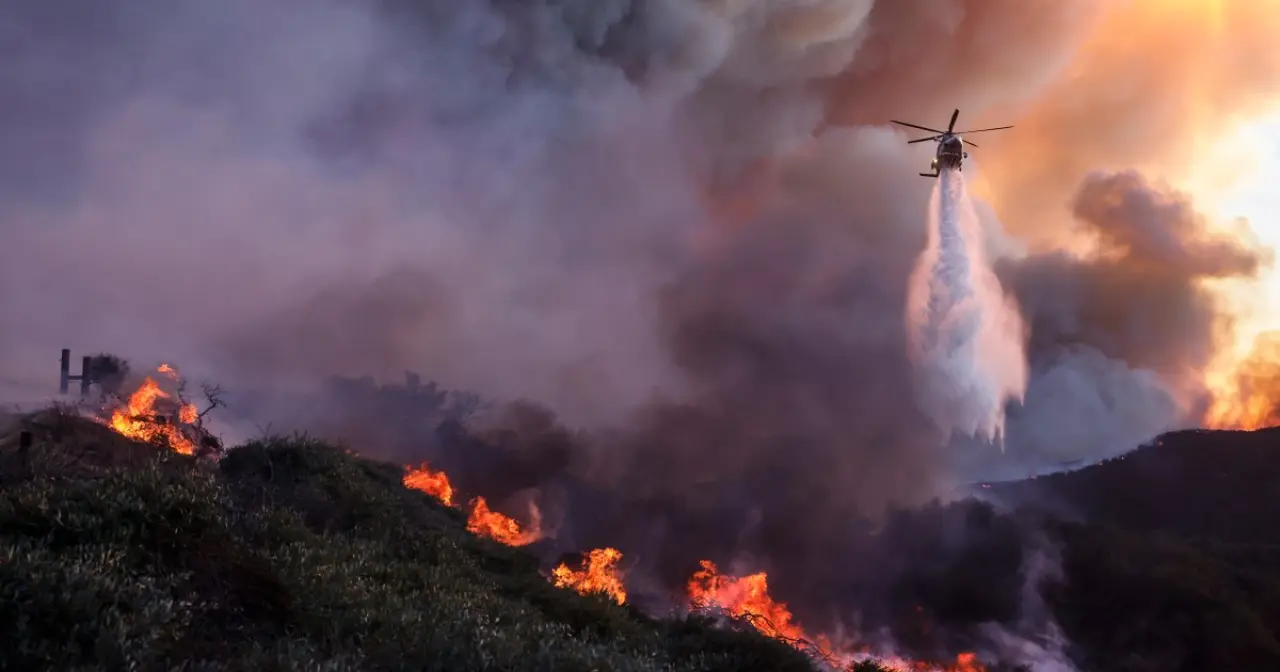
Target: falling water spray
{"points": [[965, 336]]}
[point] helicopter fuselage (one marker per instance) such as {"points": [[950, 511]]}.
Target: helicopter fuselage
{"points": [[950, 154]]}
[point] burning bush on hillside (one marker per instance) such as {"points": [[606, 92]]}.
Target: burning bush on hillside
{"points": [[156, 409]]}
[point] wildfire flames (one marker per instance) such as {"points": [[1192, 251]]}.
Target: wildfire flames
{"points": [[434, 483], [599, 574], [1250, 398], [140, 419], [482, 520], [745, 598], [748, 598], [965, 662], [494, 525]]}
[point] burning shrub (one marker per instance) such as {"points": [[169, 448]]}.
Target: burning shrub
{"points": [[598, 575], [164, 417], [434, 483]]}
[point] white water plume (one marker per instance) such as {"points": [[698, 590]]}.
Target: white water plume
{"points": [[965, 336]]}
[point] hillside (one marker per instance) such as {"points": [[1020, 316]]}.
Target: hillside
{"points": [[1211, 486], [289, 554], [293, 554]]}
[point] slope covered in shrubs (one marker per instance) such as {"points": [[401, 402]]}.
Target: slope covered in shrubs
{"points": [[294, 554], [289, 554]]}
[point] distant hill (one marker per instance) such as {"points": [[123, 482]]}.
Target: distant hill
{"points": [[1211, 487]]}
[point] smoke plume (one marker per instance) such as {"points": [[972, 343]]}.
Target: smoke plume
{"points": [[966, 338], [1121, 335]]}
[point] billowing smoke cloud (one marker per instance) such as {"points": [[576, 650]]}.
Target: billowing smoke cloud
{"points": [[1121, 337], [620, 210]]}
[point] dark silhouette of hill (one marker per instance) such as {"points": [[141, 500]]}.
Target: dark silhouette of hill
{"points": [[1220, 489]]}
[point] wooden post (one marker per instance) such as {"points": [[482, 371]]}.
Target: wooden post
{"points": [[85, 377], [24, 448], [65, 380]]}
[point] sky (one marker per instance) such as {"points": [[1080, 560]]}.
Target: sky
{"points": [[1242, 180]]}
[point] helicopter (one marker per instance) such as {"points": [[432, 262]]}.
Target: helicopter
{"points": [[951, 152]]}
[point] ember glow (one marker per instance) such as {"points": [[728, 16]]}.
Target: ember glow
{"points": [[434, 483], [598, 575], [488, 523], [140, 419]]}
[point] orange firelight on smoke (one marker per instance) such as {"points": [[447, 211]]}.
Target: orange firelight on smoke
{"points": [[489, 523], [140, 420], [1250, 397], [965, 662], [434, 483], [599, 574]]}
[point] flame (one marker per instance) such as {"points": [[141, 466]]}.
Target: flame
{"points": [[498, 527], [434, 483], [746, 597], [965, 662], [138, 419], [1235, 184], [599, 574], [743, 597], [482, 521], [1250, 397]]}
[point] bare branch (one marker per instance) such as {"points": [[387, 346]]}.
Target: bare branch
{"points": [[213, 396]]}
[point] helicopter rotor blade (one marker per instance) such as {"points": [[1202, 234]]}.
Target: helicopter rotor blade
{"points": [[952, 125], [934, 137], [983, 130], [971, 144], [923, 128]]}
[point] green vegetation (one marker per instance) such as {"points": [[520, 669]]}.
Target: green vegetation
{"points": [[287, 555], [1137, 603]]}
